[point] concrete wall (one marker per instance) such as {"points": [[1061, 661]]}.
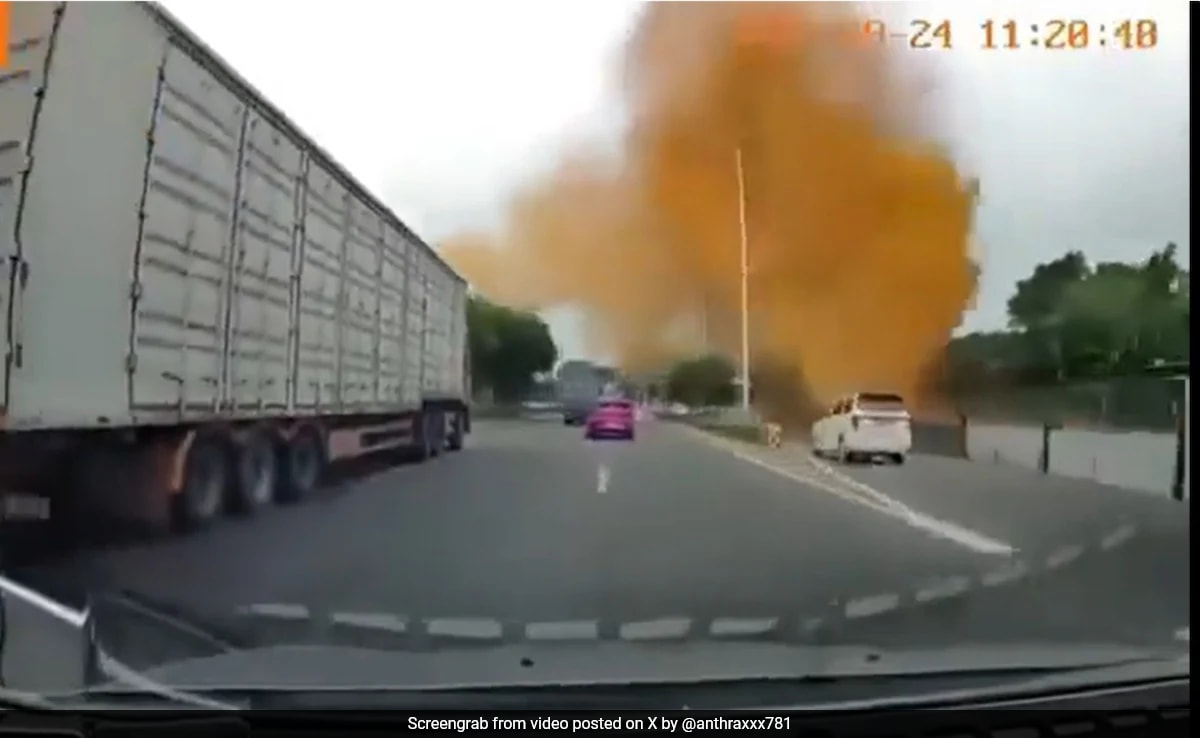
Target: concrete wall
{"points": [[1139, 460], [939, 439], [1136, 460], [1003, 443]]}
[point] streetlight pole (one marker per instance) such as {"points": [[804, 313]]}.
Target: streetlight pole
{"points": [[745, 266]]}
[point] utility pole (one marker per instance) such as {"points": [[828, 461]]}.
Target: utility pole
{"points": [[745, 276]]}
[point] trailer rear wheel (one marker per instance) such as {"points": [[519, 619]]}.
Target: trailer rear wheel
{"points": [[301, 467], [256, 472], [205, 479]]}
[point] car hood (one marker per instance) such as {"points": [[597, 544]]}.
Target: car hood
{"points": [[132, 645], [265, 648], [607, 663]]}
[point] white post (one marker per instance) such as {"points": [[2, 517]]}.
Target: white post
{"points": [[741, 178]]}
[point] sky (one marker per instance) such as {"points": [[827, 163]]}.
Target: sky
{"points": [[443, 109]]}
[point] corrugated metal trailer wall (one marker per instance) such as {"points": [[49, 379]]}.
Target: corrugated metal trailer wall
{"points": [[265, 280], [296, 220]]}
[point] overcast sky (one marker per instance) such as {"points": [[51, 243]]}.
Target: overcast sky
{"points": [[442, 108]]}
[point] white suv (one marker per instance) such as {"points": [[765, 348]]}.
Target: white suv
{"points": [[865, 424]]}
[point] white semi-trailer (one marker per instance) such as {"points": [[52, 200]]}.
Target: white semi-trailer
{"points": [[202, 309]]}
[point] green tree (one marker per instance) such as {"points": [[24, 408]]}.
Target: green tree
{"points": [[509, 348], [1165, 308], [1068, 320], [707, 380], [1034, 305], [1101, 321]]}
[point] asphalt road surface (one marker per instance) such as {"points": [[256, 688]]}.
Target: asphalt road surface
{"points": [[532, 524]]}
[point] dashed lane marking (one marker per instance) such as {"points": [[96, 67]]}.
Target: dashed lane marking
{"points": [[1117, 537], [602, 478], [371, 620], [278, 610], [863, 607], [1004, 575], [656, 629], [944, 589], [465, 628], [742, 626], [1063, 556]]}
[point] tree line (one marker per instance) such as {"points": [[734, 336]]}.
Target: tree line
{"points": [[1071, 320], [1068, 320]]}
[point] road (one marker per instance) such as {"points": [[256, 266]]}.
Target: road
{"points": [[531, 524]]}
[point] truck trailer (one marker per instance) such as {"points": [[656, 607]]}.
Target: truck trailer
{"points": [[579, 388], [203, 310]]}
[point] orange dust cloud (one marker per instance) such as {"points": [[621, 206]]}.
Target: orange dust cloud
{"points": [[857, 226]]}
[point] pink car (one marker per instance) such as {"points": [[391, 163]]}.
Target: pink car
{"points": [[611, 419]]}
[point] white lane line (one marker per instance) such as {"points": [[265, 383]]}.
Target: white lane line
{"points": [[55, 609], [602, 477], [941, 590], [1117, 537], [371, 620], [1004, 575], [872, 605], [866, 489], [1184, 634], [1062, 556], [939, 528], [465, 628], [563, 630], [742, 626], [945, 530], [656, 629], [277, 610]]}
